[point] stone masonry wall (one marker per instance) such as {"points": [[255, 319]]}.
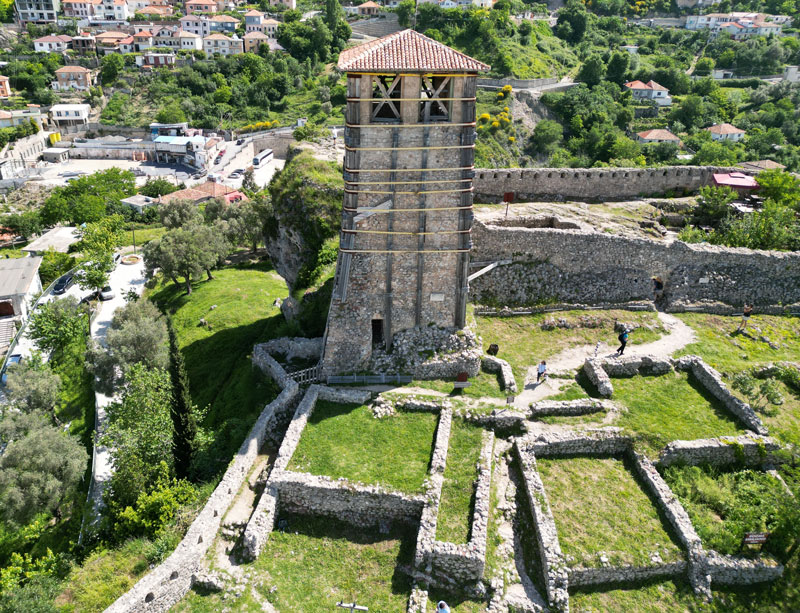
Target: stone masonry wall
{"points": [[583, 577], [576, 267], [712, 381], [531, 184], [749, 449], [554, 569], [168, 582]]}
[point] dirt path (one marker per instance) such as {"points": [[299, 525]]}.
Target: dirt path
{"points": [[679, 335]]}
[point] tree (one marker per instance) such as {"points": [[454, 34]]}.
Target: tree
{"points": [[58, 323], [171, 113], [32, 483], [139, 434], [25, 224], [704, 66], [179, 253], [617, 67], [156, 187], [759, 394], [137, 335], [98, 243], [713, 204], [780, 186], [245, 225], [54, 264], [32, 386], [184, 428], [547, 135], [179, 213], [89, 198], [592, 71], [249, 182], [110, 67], [572, 21]]}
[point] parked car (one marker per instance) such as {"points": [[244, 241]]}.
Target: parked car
{"points": [[200, 174], [14, 358], [138, 172], [217, 160], [240, 141], [235, 175], [106, 293], [72, 173], [81, 140], [64, 283]]}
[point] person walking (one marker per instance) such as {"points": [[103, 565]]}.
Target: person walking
{"points": [[442, 607], [746, 312], [623, 339], [541, 371]]}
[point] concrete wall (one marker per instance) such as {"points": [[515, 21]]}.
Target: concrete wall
{"points": [[589, 183], [551, 265]]}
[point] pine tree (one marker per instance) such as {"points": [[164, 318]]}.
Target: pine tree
{"points": [[184, 428]]}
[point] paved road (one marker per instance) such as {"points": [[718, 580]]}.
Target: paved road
{"points": [[123, 278]]}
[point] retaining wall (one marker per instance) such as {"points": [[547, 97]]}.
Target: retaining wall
{"points": [[166, 584], [581, 406], [729, 570], [579, 267], [530, 184], [584, 577], [553, 444]]}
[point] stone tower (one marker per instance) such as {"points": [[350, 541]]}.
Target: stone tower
{"points": [[408, 169]]}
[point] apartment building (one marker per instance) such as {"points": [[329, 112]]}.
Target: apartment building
{"points": [[219, 43], [37, 11], [223, 23], [200, 6], [70, 114], [81, 9]]}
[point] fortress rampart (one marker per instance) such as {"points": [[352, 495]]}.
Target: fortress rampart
{"points": [[572, 266], [589, 183]]}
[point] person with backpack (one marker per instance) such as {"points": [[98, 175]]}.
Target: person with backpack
{"points": [[623, 339]]}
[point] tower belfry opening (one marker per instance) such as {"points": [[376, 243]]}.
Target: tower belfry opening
{"points": [[407, 212]]}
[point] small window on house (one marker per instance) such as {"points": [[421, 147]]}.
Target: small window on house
{"points": [[385, 91], [435, 94], [377, 332]]}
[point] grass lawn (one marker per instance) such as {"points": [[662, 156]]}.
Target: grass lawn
{"points": [[104, 576], [10, 252], [599, 506], [237, 305], [345, 440], [724, 505], [523, 343], [485, 384], [458, 489], [317, 562], [143, 235], [670, 407], [666, 597]]}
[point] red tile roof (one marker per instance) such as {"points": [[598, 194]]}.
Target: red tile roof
{"points": [[650, 85], [70, 69], [725, 128], [214, 189], [407, 50], [657, 134]]}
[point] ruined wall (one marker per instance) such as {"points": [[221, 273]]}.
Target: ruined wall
{"points": [[589, 183], [571, 266]]}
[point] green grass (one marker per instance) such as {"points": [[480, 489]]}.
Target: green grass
{"points": [[317, 562], [104, 576], [523, 343], [724, 505], [143, 235], [670, 407], [458, 489], [666, 597], [76, 398], [300, 104], [345, 440], [599, 506], [11, 252], [221, 375]]}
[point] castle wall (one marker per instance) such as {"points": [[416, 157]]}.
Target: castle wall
{"points": [[571, 266], [589, 183]]}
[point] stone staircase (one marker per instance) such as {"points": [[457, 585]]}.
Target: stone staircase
{"points": [[376, 27]]}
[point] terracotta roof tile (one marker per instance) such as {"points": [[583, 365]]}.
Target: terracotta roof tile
{"points": [[725, 128], [407, 50], [657, 134]]}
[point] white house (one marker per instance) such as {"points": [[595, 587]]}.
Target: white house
{"points": [[70, 114], [650, 91], [726, 131], [190, 41], [52, 43], [219, 43], [19, 285]]}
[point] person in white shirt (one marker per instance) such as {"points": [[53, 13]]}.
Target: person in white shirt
{"points": [[541, 371]]}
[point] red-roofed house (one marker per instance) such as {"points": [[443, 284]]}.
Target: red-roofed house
{"points": [[726, 131], [369, 9], [737, 181], [657, 136], [200, 6], [52, 44], [73, 77], [650, 91]]}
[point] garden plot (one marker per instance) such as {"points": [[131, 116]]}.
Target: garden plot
{"points": [[346, 440], [603, 516]]}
